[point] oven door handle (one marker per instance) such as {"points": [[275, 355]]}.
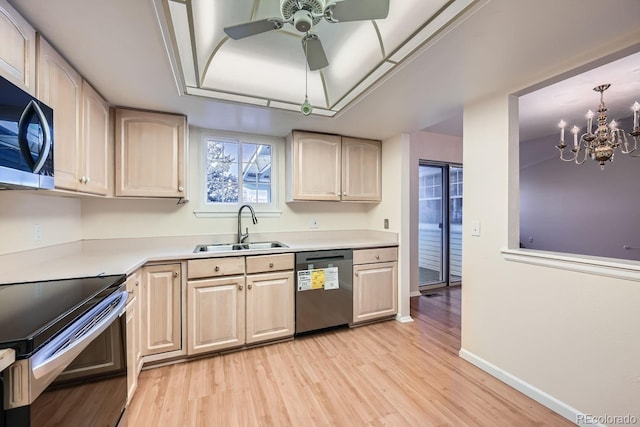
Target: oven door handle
{"points": [[55, 356]]}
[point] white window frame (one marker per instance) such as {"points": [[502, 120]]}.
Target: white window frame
{"points": [[225, 210]]}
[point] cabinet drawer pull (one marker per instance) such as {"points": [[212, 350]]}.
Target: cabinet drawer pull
{"points": [[270, 265], [239, 287], [175, 274], [130, 291], [356, 274], [377, 256], [137, 282], [217, 268], [249, 286]]}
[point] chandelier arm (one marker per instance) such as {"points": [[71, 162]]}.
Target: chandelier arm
{"points": [[586, 150], [561, 149]]}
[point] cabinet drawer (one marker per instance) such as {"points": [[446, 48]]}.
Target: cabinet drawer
{"points": [[265, 263], [368, 256], [214, 267]]}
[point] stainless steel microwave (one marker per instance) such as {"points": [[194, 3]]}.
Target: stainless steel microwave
{"points": [[26, 140]]}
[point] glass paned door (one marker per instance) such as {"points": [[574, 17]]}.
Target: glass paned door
{"points": [[439, 224]]}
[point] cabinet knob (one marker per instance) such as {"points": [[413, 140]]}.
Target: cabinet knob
{"points": [[355, 274], [175, 274], [270, 265], [137, 282], [249, 286], [377, 256], [181, 188], [217, 268], [239, 287], [130, 291], [84, 180]]}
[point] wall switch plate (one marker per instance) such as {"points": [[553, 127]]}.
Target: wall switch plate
{"points": [[313, 223], [475, 228], [37, 232], [386, 223]]}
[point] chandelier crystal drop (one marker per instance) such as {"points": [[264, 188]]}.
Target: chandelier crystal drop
{"points": [[601, 145]]}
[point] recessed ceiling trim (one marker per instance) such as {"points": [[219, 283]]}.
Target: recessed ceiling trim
{"points": [[192, 37], [431, 28], [210, 59], [371, 78], [180, 33], [296, 107], [324, 88], [375, 26], [227, 96]]}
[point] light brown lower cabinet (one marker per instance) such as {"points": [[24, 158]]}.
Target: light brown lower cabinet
{"points": [[231, 311], [161, 309], [134, 354], [375, 284]]}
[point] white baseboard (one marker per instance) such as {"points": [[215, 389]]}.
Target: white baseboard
{"points": [[404, 319], [536, 394], [415, 294]]}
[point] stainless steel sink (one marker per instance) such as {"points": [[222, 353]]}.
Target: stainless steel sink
{"points": [[227, 247]]}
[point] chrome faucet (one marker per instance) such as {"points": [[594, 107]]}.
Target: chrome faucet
{"points": [[241, 235]]}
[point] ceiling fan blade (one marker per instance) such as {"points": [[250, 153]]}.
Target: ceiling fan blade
{"points": [[241, 31], [359, 10], [314, 51]]}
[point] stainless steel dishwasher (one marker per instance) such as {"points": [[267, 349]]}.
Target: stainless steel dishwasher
{"points": [[324, 289]]}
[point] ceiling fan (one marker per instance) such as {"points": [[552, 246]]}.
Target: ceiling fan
{"points": [[304, 14]]}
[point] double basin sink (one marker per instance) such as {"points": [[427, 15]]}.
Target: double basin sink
{"points": [[226, 247]]}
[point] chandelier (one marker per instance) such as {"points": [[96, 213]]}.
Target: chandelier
{"points": [[601, 145]]}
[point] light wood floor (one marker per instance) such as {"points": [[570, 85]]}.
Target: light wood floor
{"points": [[385, 374]]}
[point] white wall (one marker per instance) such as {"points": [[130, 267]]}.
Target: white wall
{"points": [[58, 217], [109, 218], [568, 334], [580, 209], [433, 147], [395, 207]]}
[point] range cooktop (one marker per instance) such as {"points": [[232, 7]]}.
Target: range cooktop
{"points": [[32, 313]]}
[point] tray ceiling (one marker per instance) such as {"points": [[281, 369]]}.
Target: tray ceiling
{"points": [[268, 69]]}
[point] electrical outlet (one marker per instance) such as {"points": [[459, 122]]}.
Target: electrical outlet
{"points": [[386, 223], [37, 232], [313, 223]]}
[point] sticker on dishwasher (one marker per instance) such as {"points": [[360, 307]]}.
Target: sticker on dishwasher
{"points": [[319, 278]]}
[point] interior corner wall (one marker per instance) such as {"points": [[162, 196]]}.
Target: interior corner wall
{"points": [[566, 337], [395, 207], [58, 219], [431, 147]]}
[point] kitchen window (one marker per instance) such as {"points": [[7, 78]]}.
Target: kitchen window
{"points": [[237, 169]]}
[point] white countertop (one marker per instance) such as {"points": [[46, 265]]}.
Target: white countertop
{"points": [[123, 256], [7, 357]]}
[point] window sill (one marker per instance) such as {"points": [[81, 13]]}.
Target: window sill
{"points": [[234, 214], [608, 267]]}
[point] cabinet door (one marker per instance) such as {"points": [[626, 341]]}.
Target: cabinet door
{"points": [[150, 154], [95, 142], [161, 319], [132, 347], [216, 313], [60, 87], [315, 166], [18, 49], [375, 291], [270, 310], [361, 169]]}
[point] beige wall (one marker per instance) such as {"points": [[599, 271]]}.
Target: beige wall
{"points": [[569, 337], [20, 211], [144, 218], [395, 207], [433, 147]]}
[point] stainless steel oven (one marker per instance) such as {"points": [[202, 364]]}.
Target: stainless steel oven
{"points": [[70, 342]]}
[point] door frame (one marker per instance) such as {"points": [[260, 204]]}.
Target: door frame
{"points": [[446, 224]]}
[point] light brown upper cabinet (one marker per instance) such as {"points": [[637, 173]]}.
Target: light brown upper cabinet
{"points": [[82, 149], [17, 49], [333, 168], [150, 154]]}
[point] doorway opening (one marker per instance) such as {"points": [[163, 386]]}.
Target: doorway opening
{"points": [[439, 224]]}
